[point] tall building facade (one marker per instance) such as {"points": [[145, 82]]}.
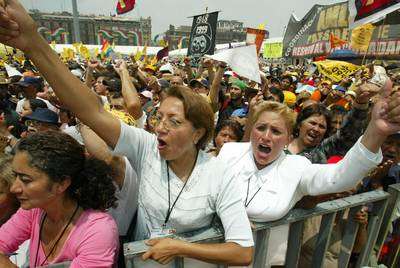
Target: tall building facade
{"points": [[59, 27]]}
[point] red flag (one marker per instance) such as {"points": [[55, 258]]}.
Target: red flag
{"points": [[162, 53], [336, 41], [256, 36], [125, 6]]}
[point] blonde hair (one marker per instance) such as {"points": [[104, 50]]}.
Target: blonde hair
{"points": [[276, 107], [6, 174]]}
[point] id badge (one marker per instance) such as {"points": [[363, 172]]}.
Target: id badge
{"points": [[161, 232]]}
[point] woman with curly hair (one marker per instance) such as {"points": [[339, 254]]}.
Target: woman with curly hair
{"points": [[63, 197]]}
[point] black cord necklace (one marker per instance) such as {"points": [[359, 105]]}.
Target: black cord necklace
{"points": [[58, 239], [169, 211]]}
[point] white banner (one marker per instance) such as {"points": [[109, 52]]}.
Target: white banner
{"points": [[11, 71], [242, 60]]}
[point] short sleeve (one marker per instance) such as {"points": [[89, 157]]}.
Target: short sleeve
{"points": [[16, 230], [127, 200], [135, 144]]}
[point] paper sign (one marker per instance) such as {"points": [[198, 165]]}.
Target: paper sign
{"points": [[336, 70], [242, 60]]}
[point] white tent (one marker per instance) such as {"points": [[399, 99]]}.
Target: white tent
{"points": [[125, 50], [218, 47]]}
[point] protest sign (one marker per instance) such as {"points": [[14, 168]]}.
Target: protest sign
{"points": [[202, 36], [273, 50], [361, 36], [336, 70], [365, 11], [242, 60], [255, 36]]}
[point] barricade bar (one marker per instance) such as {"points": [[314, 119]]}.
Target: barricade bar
{"points": [[296, 219]]}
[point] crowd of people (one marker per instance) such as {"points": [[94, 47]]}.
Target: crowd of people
{"points": [[96, 153]]}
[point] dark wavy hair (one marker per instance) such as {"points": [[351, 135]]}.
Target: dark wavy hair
{"points": [[61, 157], [315, 109], [232, 124]]}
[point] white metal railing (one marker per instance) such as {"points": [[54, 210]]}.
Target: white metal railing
{"points": [[384, 206]]}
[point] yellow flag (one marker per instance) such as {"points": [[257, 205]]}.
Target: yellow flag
{"points": [[153, 61], [94, 53], [138, 55], [361, 36], [336, 70], [19, 58], [76, 46], [261, 26], [84, 51], [162, 43], [53, 45], [144, 51]]}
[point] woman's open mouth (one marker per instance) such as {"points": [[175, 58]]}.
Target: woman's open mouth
{"points": [[161, 144], [265, 149]]}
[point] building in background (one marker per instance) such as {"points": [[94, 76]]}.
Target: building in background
{"points": [[228, 31], [121, 31]]}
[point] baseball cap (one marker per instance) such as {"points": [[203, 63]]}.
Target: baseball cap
{"points": [[237, 83], [166, 68], [146, 94], [290, 98], [163, 83], [43, 115], [29, 81], [202, 81], [339, 88]]}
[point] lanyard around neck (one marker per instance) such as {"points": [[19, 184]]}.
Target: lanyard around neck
{"points": [[170, 208]]}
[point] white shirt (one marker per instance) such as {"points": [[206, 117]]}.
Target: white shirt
{"points": [[208, 191], [127, 200], [290, 177], [74, 133], [22, 257], [141, 122], [20, 105]]}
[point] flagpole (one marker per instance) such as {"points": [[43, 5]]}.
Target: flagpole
{"points": [[77, 32]]}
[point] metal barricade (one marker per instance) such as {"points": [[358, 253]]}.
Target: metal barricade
{"points": [[384, 206]]}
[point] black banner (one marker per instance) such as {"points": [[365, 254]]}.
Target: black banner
{"points": [[309, 37], [202, 36]]}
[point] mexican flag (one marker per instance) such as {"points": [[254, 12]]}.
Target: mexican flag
{"points": [[125, 6]]}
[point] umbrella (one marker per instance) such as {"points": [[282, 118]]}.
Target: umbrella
{"points": [[343, 54]]}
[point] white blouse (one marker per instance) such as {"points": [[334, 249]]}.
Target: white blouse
{"points": [[209, 191], [284, 182]]}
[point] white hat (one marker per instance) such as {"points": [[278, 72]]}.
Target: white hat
{"points": [[77, 72], [147, 94], [167, 68]]}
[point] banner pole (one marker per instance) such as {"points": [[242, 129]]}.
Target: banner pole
{"points": [[379, 38]]}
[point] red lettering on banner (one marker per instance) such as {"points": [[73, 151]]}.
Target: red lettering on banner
{"points": [[391, 48], [397, 51], [381, 48]]}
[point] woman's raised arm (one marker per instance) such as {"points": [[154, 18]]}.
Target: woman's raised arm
{"points": [[17, 29]]}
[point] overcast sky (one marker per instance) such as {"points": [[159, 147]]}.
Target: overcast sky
{"points": [[273, 13]]}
